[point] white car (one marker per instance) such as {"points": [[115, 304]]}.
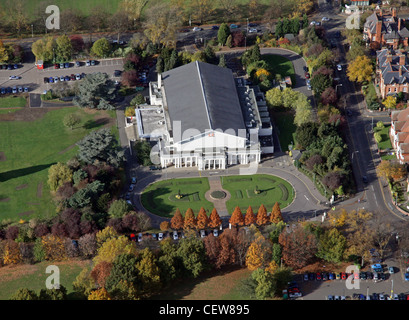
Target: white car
{"points": [[160, 236], [202, 233], [381, 297], [325, 19], [139, 237], [215, 232], [14, 77], [253, 30], [312, 23], [197, 29], [175, 235], [339, 67]]}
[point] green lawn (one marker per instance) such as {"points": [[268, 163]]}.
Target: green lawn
{"points": [[280, 65], [12, 102], [273, 189], [386, 141], [34, 277], [159, 198], [27, 150], [284, 122]]}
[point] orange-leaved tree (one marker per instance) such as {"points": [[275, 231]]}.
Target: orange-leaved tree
{"points": [[164, 225], [262, 217], [276, 215], [177, 222], [202, 219], [99, 294], [259, 253], [250, 217], [101, 272], [190, 219], [214, 220], [236, 218]]}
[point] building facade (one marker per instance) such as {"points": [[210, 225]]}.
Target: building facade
{"points": [[399, 134]]}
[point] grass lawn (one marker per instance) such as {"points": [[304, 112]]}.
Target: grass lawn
{"points": [[284, 122], [34, 276], [159, 198], [12, 102], [386, 141], [28, 149], [273, 189], [213, 285], [280, 65]]}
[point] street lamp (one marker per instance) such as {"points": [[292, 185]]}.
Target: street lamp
{"points": [[32, 31]]}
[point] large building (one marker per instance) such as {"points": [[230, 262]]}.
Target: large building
{"points": [[386, 29], [399, 134], [392, 72], [207, 118]]}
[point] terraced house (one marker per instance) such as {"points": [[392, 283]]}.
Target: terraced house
{"points": [[387, 29], [392, 72], [399, 134]]}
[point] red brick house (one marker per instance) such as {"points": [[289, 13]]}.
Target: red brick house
{"points": [[386, 29], [392, 73], [399, 134]]}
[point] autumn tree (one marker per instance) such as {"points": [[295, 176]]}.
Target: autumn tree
{"points": [[201, 9], [99, 294], [214, 219], [11, 252], [54, 247], [202, 219], [390, 102], [100, 273], [164, 225], [177, 221], [111, 248], [276, 215], [190, 220], [391, 170], [191, 252], [133, 8], [259, 253], [331, 246], [149, 281], [58, 174], [298, 246], [250, 217], [236, 218], [104, 235], [262, 217], [24, 294], [213, 248], [360, 69]]}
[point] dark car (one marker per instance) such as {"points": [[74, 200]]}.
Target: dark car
{"points": [[66, 65], [311, 276], [365, 179], [77, 64], [9, 67], [362, 276], [3, 90], [324, 276], [252, 24], [382, 276], [56, 66], [73, 77], [154, 168], [369, 275], [67, 78], [46, 80], [117, 73], [307, 75], [15, 66], [215, 27], [8, 90], [4, 66]]}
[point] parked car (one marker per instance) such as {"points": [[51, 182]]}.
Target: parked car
{"points": [[331, 276], [72, 77], [3, 90], [215, 232], [131, 187], [133, 180], [20, 89], [343, 276], [215, 27], [318, 276], [14, 77], [154, 168], [406, 274], [62, 78], [93, 62], [160, 236], [307, 75], [62, 65], [202, 233], [175, 235], [77, 64], [51, 80], [56, 66], [67, 78], [66, 65], [313, 23], [46, 80], [233, 26], [391, 270], [197, 29], [139, 237], [252, 24], [88, 63], [14, 90], [362, 276], [117, 73], [253, 30], [325, 19], [78, 76], [339, 67], [311, 276]]}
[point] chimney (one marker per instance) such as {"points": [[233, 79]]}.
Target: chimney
{"points": [[378, 31], [400, 71], [380, 12], [402, 59], [394, 12], [159, 80], [399, 23]]}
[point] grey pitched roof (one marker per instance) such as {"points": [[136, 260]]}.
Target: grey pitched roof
{"points": [[202, 96], [390, 70], [389, 26]]}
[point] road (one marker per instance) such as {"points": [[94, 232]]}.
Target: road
{"points": [[364, 157]]}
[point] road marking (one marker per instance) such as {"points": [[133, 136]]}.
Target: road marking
{"points": [[306, 197]]}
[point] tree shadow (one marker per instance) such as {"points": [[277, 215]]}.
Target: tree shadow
{"points": [[5, 176], [91, 124]]}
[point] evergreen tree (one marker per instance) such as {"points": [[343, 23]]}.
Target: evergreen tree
{"points": [[222, 61], [223, 33]]}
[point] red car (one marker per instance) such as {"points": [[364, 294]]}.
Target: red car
{"points": [[56, 66], [356, 276], [343, 276], [307, 75], [318, 276]]}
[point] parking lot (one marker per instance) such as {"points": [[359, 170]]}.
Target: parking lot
{"points": [[28, 76], [367, 288]]}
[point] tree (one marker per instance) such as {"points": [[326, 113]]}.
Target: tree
{"points": [[133, 8], [265, 284], [214, 219], [191, 252], [164, 225], [63, 49], [148, 281], [329, 96], [87, 245], [119, 22], [71, 120], [53, 294], [16, 15], [332, 180], [391, 170], [236, 218], [331, 246], [390, 102], [119, 208], [11, 253], [320, 82], [276, 215], [298, 246], [99, 294], [274, 97], [101, 48], [24, 294], [112, 248], [250, 217], [202, 219], [177, 221], [360, 69], [258, 254], [190, 220], [201, 9], [100, 146], [223, 33], [58, 174], [213, 247], [4, 55], [262, 217]]}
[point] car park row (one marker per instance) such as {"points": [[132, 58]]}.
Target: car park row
{"points": [[175, 235]]}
